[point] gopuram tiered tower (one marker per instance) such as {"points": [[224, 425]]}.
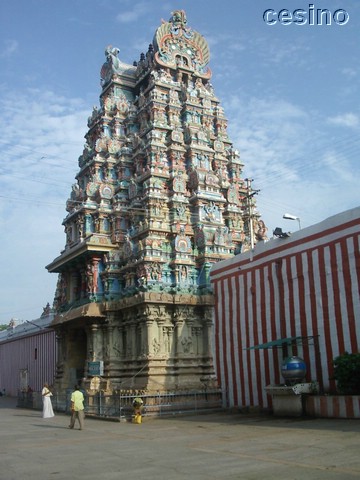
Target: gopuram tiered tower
{"points": [[158, 199]]}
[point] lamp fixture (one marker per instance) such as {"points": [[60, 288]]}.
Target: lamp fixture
{"points": [[289, 216]]}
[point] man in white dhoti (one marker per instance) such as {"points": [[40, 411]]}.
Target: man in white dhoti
{"points": [[47, 405]]}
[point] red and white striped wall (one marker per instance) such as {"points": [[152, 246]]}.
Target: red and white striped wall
{"points": [[305, 285], [333, 406]]}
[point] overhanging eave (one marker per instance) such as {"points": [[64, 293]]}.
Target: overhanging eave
{"points": [[90, 310], [92, 244]]}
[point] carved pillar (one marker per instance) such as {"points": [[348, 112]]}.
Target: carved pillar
{"points": [[159, 346], [196, 333], [178, 327], [95, 343], [74, 285], [61, 353], [132, 340], [168, 340], [95, 268], [148, 337], [83, 293], [122, 342], [208, 324]]}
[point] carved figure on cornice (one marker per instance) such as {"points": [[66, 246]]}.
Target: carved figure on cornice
{"points": [[114, 146], [174, 120], [109, 103], [90, 278], [200, 86], [97, 223], [91, 189], [207, 105], [155, 271], [233, 194], [122, 104], [183, 274], [179, 184], [80, 224], [67, 229], [46, 310], [193, 181], [176, 135], [132, 110], [202, 136], [137, 142], [112, 65], [173, 96], [211, 180], [182, 244], [127, 247], [75, 191], [62, 288], [210, 89], [192, 91], [101, 144], [180, 210], [222, 236], [223, 180], [93, 115], [141, 98], [203, 161], [87, 149], [212, 212], [260, 230], [111, 54], [179, 21], [132, 188], [179, 159], [221, 126]]}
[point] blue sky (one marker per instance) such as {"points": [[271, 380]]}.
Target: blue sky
{"points": [[290, 93]]}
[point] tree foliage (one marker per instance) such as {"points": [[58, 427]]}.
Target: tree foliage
{"points": [[347, 373]]}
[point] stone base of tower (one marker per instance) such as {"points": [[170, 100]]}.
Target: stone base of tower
{"points": [[160, 375], [152, 341]]}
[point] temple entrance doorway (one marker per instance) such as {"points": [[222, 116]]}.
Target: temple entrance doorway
{"points": [[76, 356]]}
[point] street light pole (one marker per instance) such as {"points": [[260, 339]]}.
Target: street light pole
{"points": [[250, 194]]}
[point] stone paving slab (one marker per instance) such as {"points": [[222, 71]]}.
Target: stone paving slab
{"points": [[212, 446]]}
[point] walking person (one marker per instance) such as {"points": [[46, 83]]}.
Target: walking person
{"points": [[48, 411], [77, 408]]}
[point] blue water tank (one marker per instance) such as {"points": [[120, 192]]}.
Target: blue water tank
{"points": [[293, 370]]}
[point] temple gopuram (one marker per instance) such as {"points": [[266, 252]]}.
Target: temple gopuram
{"points": [[158, 199]]}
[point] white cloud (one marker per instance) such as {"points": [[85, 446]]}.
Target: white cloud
{"points": [[10, 47], [137, 11], [292, 159], [346, 120], [349, 72], [41, 142]]}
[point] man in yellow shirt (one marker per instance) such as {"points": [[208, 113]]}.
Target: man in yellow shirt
{"points": [[77, 408]]}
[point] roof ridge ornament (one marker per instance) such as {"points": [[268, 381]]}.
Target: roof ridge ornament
{"points": [[178, 46]]}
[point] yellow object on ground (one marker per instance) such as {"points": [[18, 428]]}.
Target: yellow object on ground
{"points": [[137, 418]]}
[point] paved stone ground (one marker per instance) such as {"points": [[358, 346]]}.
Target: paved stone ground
{"points": [[213, 446]]}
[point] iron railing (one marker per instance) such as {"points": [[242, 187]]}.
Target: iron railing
{"points": [[120, 406]]}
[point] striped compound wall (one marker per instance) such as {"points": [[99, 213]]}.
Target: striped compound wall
{"points": [[305, 285], [333, 406]]}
